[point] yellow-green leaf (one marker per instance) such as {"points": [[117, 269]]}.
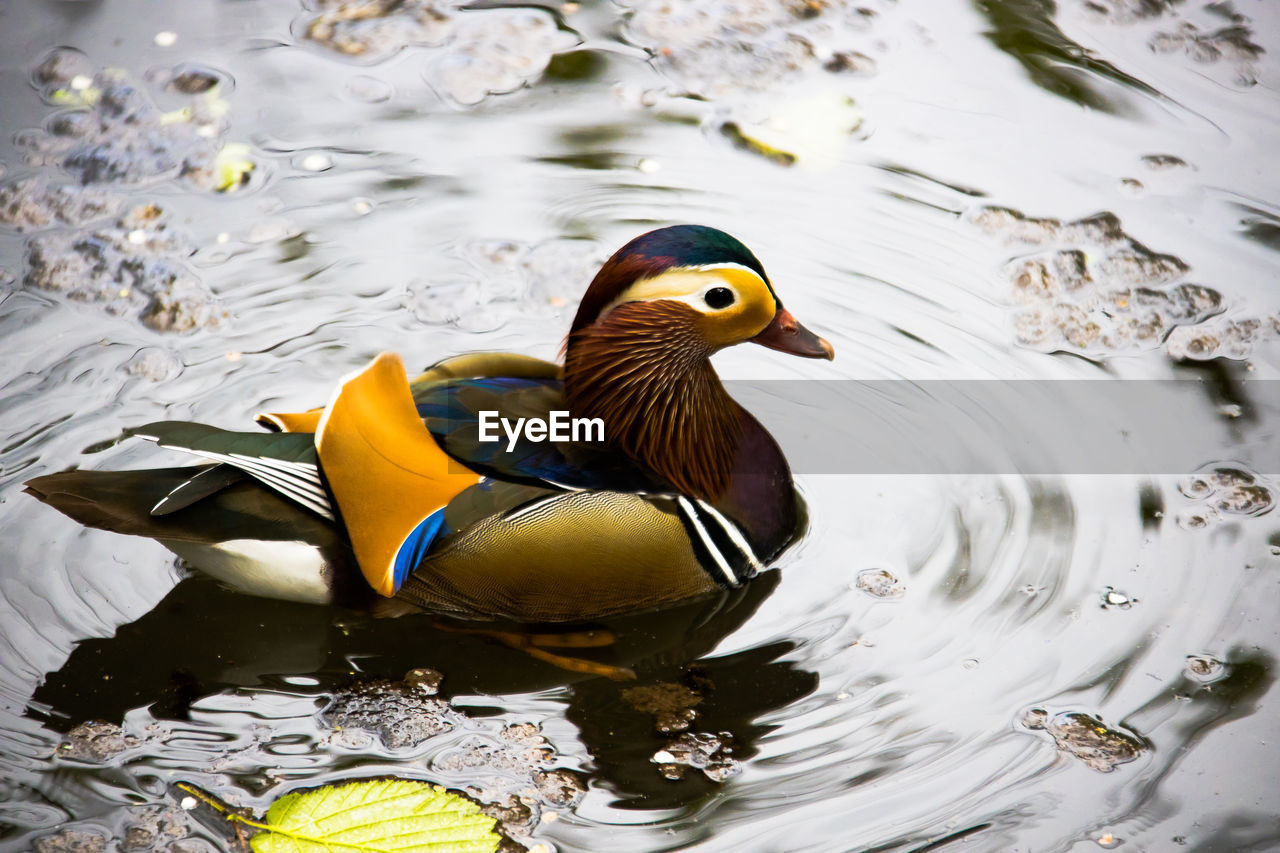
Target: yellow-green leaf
{"points": [[75, 97], [810, 131], [375, 816], [233, 166]]}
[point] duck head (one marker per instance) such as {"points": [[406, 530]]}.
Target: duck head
{"points": [[705, 285], [638, 353]]}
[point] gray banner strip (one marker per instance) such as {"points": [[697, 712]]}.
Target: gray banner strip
{"points": [[1016, 427]]}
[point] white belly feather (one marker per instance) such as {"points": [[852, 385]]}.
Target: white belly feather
{"points": [[293, 571]]}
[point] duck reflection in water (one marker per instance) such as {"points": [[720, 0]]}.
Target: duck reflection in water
{"points": [[203, 639]]}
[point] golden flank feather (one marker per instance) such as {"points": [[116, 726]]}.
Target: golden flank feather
{"points": [[385, 470], [643, 561]]}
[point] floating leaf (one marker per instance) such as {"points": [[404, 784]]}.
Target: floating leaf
{"points": [[375, 816], [233, 166], [811, 131], [70, 96]]}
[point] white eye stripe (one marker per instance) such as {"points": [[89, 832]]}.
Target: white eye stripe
{"points": [[698, 281]]}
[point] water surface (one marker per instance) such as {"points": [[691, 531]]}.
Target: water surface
{"points": [[1014, 191]]}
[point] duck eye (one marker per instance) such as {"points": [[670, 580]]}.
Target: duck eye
{"points": [[718, 297]]}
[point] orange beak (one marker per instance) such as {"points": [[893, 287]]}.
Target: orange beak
{"points": [[785, 334]]}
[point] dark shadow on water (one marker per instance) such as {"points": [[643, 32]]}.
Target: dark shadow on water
{"points": [[1025, 30], [203, 639], [735, 691]]}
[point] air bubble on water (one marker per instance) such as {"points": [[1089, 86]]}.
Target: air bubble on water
{"points": [[316, 162]]}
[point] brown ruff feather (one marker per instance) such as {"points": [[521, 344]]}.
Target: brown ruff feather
{"points": [[645, 369]]}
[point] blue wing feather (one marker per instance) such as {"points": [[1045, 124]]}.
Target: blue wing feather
{"points": [[415, 546], [451, 411]]}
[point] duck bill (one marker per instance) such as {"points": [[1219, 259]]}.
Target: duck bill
{"points": [[785, 334]]}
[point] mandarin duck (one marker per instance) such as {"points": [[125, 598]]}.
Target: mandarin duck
{"points": [[410, 488]]}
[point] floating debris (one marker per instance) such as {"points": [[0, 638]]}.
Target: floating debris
{"points": [[1112, 597], [1087, 738], [401, 714], [560, 787], [712, 754], [673, 706], [514, 765], [71, 841], [1230, 43], [496, 51], [880, 583], [116, 134], [231, 168], [1198, 519], [732, 132], [476, 52], [96, 741], [1092, 288], [850, 62], [159, 828], [192, 79], [133, 264], [1220, 35], [1222, 338], [154, 364], [1132, 187], [1204, 668], [718, 48], [522, 782], [1125, 11], [63, 66], [1218, 491], [376, 29], [519, 748], [31, 204], [1163, 162], [426, 680], [811, 131], [503, 279]]}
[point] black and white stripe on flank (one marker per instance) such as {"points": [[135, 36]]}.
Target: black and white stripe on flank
{"points": [[725, 546]]}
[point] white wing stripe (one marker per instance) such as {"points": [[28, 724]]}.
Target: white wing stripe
{"points": [[311, 481], [286, 486], [273, 479]]}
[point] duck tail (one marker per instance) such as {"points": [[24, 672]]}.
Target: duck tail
{"points": [[119, 501]]}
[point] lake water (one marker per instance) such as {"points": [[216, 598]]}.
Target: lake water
{"points": [[952, 659]]}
